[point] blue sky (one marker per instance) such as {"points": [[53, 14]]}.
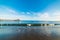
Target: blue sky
{"points": [[27, 5], [30, 9]]}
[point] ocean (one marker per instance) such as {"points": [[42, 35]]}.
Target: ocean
{"points": [[29, 32]]}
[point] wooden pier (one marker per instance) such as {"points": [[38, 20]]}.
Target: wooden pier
{"points": [[28, 24]]}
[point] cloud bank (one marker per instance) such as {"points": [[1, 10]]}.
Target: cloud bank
{"points": [[8, 13], [55, 16]]}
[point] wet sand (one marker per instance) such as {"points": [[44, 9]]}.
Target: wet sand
{"points": [[32, 33]]}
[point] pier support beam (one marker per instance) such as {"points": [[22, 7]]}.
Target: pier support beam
{"points": [[28, 24], [51, 24]]}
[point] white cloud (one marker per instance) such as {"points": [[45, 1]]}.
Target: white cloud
{"points": [[8, 13], [55, 16]]}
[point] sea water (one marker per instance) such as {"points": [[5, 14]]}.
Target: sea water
{"points": [[16, 32]]}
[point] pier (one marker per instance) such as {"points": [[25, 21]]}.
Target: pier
{"points": [[28, 24]]}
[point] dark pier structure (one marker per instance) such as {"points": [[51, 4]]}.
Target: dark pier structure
{"points": [[28, 24]]}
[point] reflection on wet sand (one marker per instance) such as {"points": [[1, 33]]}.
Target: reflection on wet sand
{"points": [[31, 33], [34, 35], [37, 33]]}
